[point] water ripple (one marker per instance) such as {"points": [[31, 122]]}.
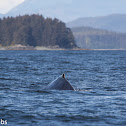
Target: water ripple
{"points": [[98, 77]]}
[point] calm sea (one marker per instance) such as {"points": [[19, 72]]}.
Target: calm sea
{"points": [[100, 76]]}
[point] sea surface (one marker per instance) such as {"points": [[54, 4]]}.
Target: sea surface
{"points": [[98, 76]]}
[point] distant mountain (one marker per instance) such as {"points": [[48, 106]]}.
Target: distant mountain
{"points": [[58, 9], [115, 22], [1, 15], [91, 38]]}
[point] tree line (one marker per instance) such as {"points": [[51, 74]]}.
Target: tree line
{"points": [[91, 38], [35, 30]]}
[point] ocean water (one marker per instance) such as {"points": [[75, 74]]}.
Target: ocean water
{"points": [[100, 77]]}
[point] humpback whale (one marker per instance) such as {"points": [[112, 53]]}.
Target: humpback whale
{"points": [[59, 84]]}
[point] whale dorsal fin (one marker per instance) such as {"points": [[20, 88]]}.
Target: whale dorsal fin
{"points": [[63, 75], [59, 84]]}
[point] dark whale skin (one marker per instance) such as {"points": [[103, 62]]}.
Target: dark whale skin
{"points": [[59, 84]]}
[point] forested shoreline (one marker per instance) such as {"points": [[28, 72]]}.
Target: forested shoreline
{"points": [[92, 38], [35, 30]]}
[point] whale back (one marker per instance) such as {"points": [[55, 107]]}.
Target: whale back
{"points": [[59, 84]]}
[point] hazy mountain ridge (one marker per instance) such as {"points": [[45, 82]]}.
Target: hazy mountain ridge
{"points": [[1, 15], [115, 22], [87, 37], [88, 30], [61, 9], [58, 9]]}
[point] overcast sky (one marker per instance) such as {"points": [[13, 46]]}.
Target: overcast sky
{"points": [[6, 5], [73, 8]]}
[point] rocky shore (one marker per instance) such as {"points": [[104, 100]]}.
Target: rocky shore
{"points": [[22, 47], [17, 47]]}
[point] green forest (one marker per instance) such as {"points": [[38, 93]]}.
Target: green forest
{"points": [[35, 30], [92, 38]]}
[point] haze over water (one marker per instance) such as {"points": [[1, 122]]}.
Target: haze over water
{"points": [[100, 76]]}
